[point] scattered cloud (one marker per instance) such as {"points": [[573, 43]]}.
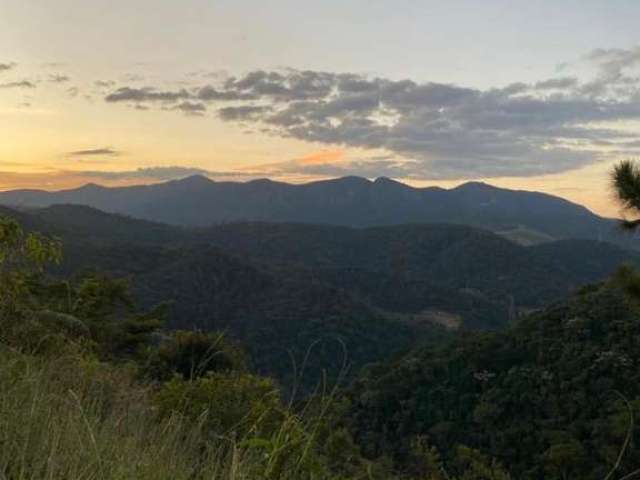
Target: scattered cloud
{"points": [[430, 131], [104, 83], [4, 67], [58, 78], [560, 83], [19, 84], [322, 157], [133, 77], [54, 64], [106, 151], [147, 173], [191, 108], [243, 113], [58, 179], [147, 94]]}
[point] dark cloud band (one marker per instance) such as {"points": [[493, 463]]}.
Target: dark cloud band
{"points": [[94, 152]]}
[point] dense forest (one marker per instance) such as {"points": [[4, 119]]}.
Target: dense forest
{"points": [[364, 293], [553, 397], [133, 349], [94, 387]]}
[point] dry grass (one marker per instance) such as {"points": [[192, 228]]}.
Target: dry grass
{"points": [[74, 418]]}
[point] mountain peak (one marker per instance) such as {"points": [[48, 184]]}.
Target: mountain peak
{"points": [[475, 186], [353, 180], [91, 187], [194, 180], [389, 181], [262, 181], [384, 180]]}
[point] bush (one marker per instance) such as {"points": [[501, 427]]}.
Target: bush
{"points": [[227, 404], [194, 354]]}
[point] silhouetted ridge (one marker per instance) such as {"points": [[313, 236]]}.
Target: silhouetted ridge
{"points": [[475, 186], [194, 181], [350, 201]]}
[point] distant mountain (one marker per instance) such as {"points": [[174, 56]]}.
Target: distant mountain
{"points": [[528, 217]]}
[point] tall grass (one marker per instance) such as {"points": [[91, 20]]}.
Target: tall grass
{"points": [[70, 417]]}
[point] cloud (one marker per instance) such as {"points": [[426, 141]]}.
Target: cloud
{"points": [[19, 84], [59, 179], [612, 67], [147, 94], [208, 93], [104, 83], [430, 130], [148, 173], [332, 163], [106, 151], [191, 108], [288, 86], [322, 157], [560, 83], [243, 113], [4, 67], [58, 78], [613, 61]]}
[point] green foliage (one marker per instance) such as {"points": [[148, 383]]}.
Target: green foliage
{"points": [[279, 288], [473, 465], [96, 390], [192, 354], [20, 251], [625, 179], [540, 397], [240, 403], [22, 257], [424, 461], [71, 408]]}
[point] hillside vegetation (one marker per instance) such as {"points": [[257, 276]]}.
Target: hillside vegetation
{"points": [[554, 397], [96, 387], [364, 293]]}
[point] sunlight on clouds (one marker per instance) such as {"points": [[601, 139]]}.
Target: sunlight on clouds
{"points": [[322, 156]]}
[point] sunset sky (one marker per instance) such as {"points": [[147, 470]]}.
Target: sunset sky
{"points": [[540, 95]]}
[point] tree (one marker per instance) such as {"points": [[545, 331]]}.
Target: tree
{"points": [[37, 310], [626, 186], [22, 256]]}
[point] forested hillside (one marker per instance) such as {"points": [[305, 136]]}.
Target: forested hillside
{"points": [[554, 397], [464, 260], [94, 388], [367, 293], [380, 312]]}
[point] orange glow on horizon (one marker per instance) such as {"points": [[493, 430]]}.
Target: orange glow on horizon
{"points": [[322, 157]]}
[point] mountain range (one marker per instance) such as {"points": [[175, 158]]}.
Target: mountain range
{"points": [[197, 201]]}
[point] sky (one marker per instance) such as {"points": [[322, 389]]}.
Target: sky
{"points": [[528, 95]]}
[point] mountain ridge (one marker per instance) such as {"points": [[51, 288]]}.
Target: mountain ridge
{"points": [[198, 201]]}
